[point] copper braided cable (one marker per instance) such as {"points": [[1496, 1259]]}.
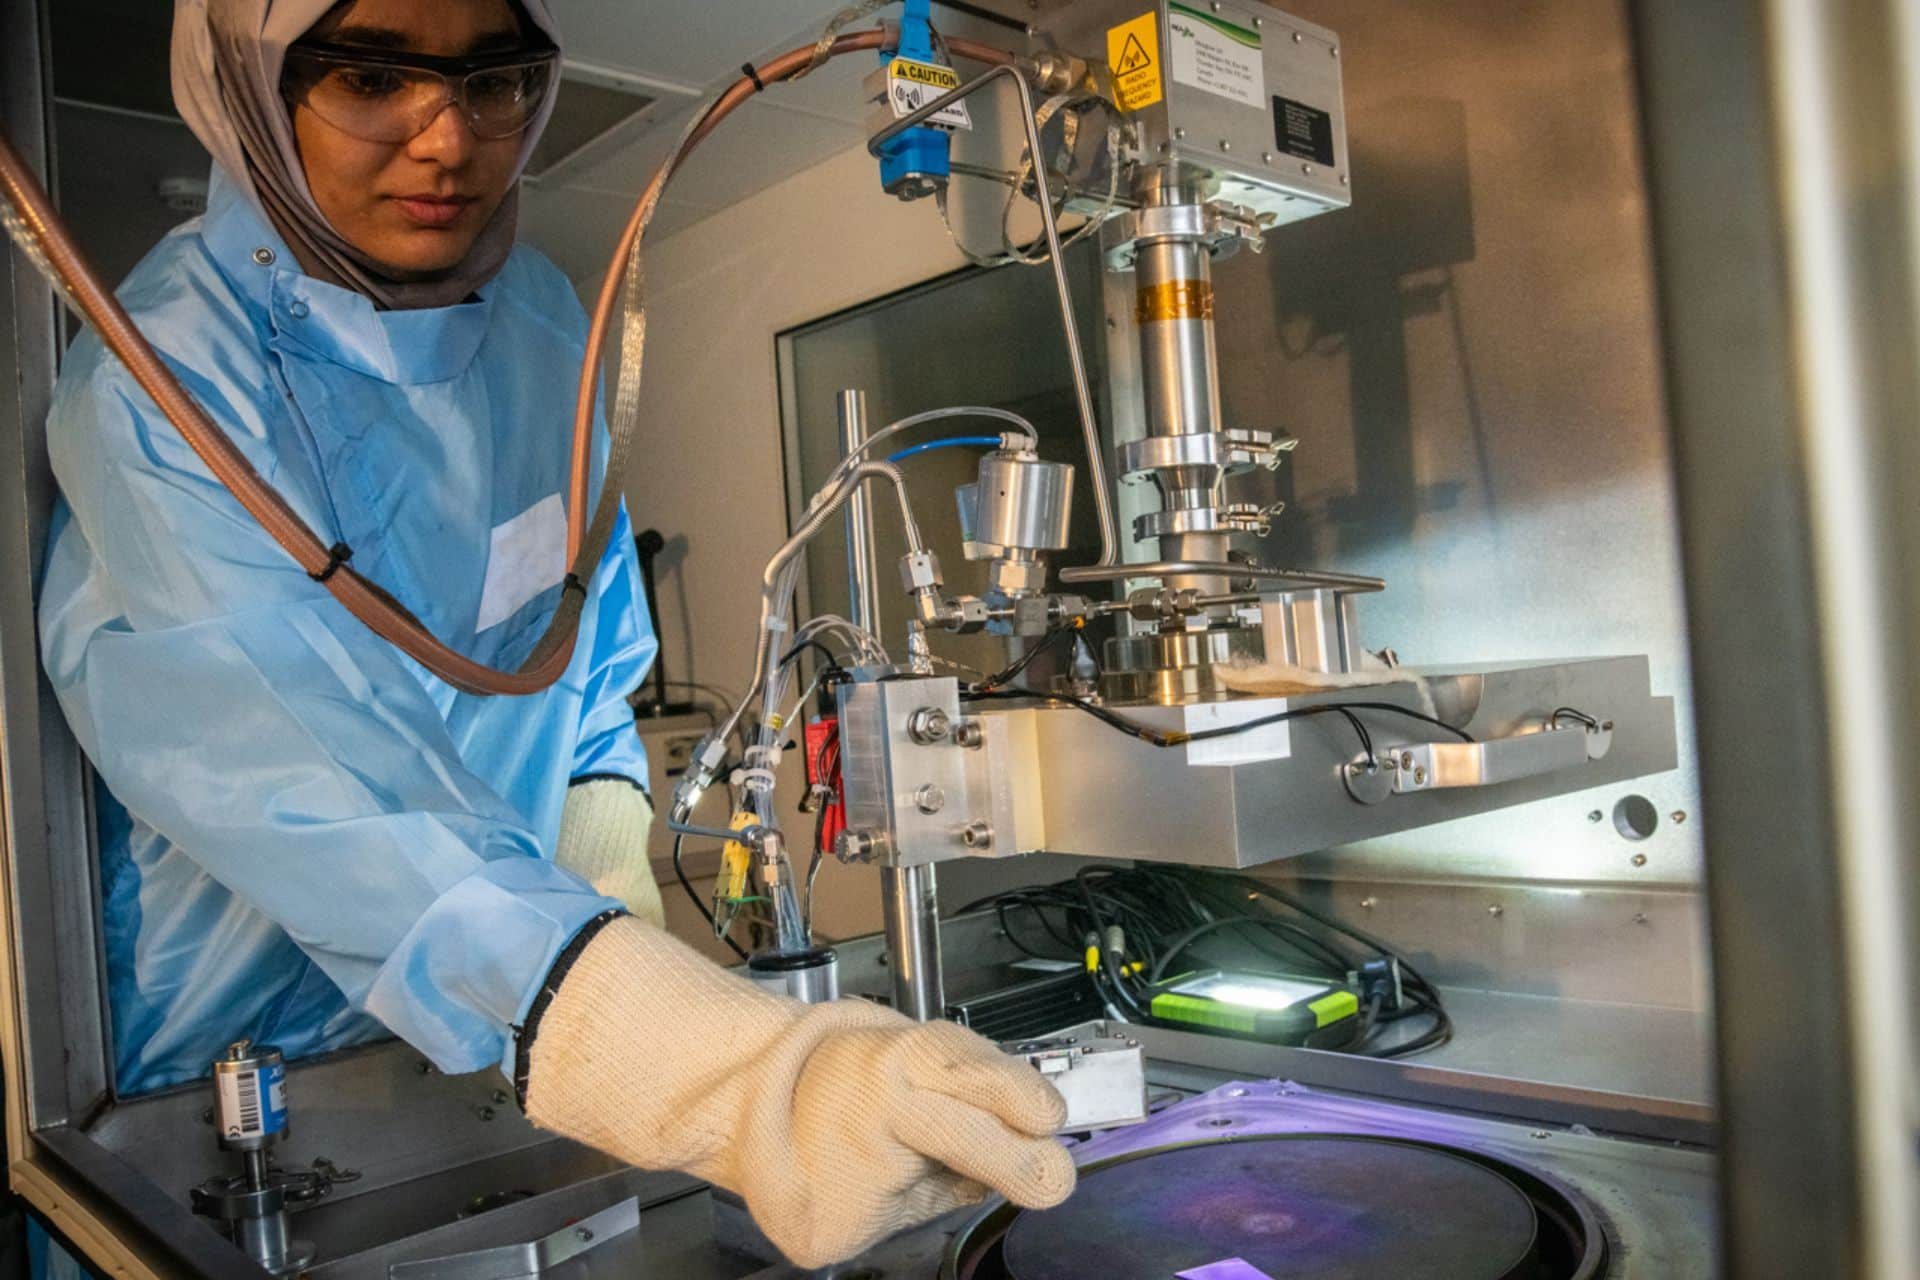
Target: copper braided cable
{"points": [[49, 241]]}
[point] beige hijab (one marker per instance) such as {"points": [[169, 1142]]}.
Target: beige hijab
{"points": [[227, 57]]}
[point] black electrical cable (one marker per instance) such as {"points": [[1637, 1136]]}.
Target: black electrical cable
{"points": [[680, 871], [1166, 738], [1013, 670], [1162, 912]]}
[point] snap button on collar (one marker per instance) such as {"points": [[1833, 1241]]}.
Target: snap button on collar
{"points": [[263, 256]]}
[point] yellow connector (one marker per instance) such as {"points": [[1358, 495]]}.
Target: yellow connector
{"points": [[730, 882]]}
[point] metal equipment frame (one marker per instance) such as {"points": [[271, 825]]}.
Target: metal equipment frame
{"points": [[1797, 466]]}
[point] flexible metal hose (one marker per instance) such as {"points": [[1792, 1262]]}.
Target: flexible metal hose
{"points": [[31, 221]]}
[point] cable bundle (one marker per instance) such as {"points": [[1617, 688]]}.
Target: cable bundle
{"points": [[1133, 925]]}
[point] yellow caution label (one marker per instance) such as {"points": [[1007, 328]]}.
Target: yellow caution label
{"points": [[911, 85], [1133, 55]]}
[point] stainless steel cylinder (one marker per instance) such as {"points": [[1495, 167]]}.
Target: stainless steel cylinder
{"points": [[1180, 378], [1019, 504], [266, 1239], [250, 1096], [811, 976], [910, 903]]}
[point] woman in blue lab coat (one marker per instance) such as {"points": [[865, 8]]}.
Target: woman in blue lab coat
{"points": [[306, 838]]}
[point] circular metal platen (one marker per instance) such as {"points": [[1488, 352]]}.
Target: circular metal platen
{"points": [[1325, 1207]]}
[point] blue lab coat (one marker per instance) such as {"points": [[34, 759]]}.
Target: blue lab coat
{"points": [[305, 837]]}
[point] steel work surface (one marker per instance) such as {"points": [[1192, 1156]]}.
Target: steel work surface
{"points": [[1642, 1050]]}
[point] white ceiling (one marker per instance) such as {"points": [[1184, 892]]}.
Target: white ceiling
{"points": [[683, 51]]}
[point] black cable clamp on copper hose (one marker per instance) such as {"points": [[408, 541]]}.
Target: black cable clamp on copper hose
{"points": [[337, 554]]}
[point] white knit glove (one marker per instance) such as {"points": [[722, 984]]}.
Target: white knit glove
{"points": [[603, 840], [839, 1124]]}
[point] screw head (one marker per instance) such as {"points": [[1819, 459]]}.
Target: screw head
{"points": [[1369, 903], [1343, 180], [977, 835], [1542, 1134], [1420, 774], [1179, 133], [1307, 169], [1640, 917], [1298, 38], [1495, 909], [930, 798], [263, 256], [1678, 816], [1266, 157], [1595, 816], [1258, 21], [1226, 145], [928, 725], [583, 1234], [1639, 859]]}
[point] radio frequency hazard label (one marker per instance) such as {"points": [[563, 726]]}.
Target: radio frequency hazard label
{"points": [[1133, 54], [912, 85]]}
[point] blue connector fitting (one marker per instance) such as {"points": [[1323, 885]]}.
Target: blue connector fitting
{"points": [[919, 160]]}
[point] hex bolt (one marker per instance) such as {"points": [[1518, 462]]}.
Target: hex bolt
{"points": [[929, 725], [854, 846], [977, 835], [930, 798]]}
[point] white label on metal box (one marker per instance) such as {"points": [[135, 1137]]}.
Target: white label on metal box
{"points": [[1213, 51]]}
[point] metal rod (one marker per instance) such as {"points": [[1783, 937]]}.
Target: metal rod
{"points": [[864, 608], [909, 896], [910, 902], [1083, 394], [1354, 582]]}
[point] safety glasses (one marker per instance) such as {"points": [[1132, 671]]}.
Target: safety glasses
{"points": [[384, 96]]}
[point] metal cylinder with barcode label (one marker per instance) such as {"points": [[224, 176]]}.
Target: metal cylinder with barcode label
{"points": [[250, 1096]]}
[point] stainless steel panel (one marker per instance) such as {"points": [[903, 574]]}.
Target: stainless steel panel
{"points": [[1470, 358], [1275, 792], [42, 775], [580, 1248], [1813, 1119]]}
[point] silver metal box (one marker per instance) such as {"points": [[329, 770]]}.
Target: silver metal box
{"points": [[1099, 1069], [1248, 95]]}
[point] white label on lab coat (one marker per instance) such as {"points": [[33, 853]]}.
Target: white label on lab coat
{"points": [[528, 555]]}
